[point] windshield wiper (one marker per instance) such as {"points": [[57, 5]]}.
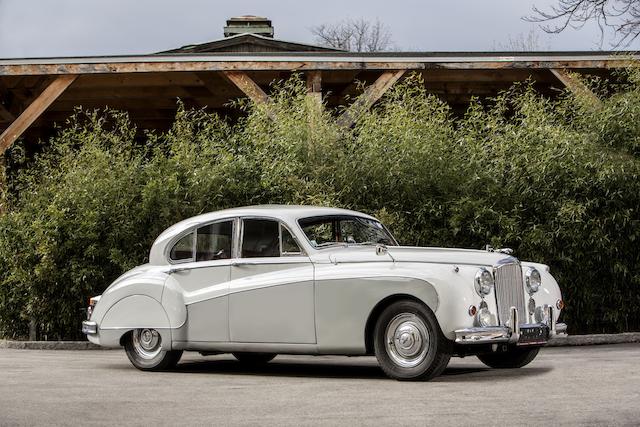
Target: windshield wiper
{"points": [[326, 244]]}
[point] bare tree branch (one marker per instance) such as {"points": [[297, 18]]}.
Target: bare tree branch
{"points": [[623, 16], [357, 35]]}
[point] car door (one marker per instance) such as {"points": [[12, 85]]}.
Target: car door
{"points": [[271, 293], [200, 273]]}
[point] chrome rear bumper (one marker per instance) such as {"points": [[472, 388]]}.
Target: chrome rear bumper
{"points": [[507, 334]]}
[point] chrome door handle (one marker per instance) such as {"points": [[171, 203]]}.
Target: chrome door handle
{"points": [[178, 269], [241, 263]]}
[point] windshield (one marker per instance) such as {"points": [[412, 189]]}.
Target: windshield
{"points": [[340, 230]]}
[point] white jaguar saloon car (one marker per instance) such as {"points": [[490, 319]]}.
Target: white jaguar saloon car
{"points": [[266, 280]]}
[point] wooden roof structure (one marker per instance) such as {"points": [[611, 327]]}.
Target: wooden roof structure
{"points": [[36, 93]]}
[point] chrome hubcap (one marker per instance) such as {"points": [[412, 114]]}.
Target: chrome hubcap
{"points": [[146, 342], [407, 340]]}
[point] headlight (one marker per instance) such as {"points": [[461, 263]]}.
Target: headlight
{"points": [[532, 279], [484, 282]]}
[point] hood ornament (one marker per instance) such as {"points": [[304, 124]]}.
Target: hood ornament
{"points": [[506, 251]]}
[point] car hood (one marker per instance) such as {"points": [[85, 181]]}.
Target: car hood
{"points": [[412, 254]]}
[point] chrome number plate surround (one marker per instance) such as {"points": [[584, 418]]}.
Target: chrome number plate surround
{"points": [[532, 335]]}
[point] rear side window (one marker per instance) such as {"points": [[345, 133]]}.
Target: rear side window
{"points": [[213, 241], [183, 249], [261, 238]]}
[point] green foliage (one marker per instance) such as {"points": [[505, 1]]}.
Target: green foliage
{"points": [[557, 180]]}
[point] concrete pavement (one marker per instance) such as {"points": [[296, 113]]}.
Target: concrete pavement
{"points": [[597, 385]]}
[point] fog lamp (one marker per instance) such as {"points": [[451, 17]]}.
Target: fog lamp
{"points": [[485, 318], [539, 315]]}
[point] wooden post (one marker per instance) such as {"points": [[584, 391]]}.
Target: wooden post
{"points": [[34, 110], [575, 85], [369, 97], [314, 85]]}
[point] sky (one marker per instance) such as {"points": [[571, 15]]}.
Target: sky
{"points": [[58, 28]]}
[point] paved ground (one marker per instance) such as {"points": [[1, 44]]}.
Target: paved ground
{"points": [[597, 385]]}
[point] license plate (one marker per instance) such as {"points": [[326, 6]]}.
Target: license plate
{"points": [[535, 335]]}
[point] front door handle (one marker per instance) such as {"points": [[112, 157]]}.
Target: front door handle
{"points": [[178, 269]]}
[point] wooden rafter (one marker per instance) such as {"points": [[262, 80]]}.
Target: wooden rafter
{"points": [[369, 97], [251, 89], [247, 86], [575, 85], [34, 110]]}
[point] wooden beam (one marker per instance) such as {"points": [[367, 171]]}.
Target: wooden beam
{"points": [[251, 89], [575, 85], [369, 97], [248, 86], [34, 110], [155, 63]]}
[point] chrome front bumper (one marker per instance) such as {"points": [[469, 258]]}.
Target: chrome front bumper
{"points": [[508, 334]]}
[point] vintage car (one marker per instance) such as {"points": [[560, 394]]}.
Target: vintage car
{"points": [[266, 280]]}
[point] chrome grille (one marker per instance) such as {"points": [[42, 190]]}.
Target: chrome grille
{"points": [[509, 291]]}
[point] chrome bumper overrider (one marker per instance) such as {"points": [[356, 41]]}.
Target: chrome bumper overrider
{"points": [[89, 327], [507, 334]]}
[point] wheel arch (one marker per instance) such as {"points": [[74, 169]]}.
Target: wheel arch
{"points": [[378, 309], [134, 312]]}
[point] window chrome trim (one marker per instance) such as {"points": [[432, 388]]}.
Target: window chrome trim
{"points": [[338, 216], [280, 225], [194, 230]]}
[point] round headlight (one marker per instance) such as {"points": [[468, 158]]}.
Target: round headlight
{"points": [[532, 279], [484, 282]]}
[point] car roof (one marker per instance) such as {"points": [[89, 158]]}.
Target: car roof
{"points": [[288, 214]]}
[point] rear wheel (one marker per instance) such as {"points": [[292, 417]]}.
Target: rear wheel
{"points": [[408, 342], [144, 350], [512, 358], [254, 358]]}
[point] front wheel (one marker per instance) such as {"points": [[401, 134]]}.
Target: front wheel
{"points": [[408, 342], [512, 358], [144, 350]]}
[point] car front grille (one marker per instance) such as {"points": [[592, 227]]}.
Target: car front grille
{"points": [[509, 291]]}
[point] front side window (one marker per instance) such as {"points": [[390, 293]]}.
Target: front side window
{"points": [[261, 238], [267, 238], [213, 241], [339, 230]]}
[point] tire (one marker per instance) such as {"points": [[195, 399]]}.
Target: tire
{"points": [[408, 342], [144, 350], [510, 359], [254, 358]]}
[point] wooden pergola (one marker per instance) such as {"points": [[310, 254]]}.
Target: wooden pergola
{"points": [[37, 93]]}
